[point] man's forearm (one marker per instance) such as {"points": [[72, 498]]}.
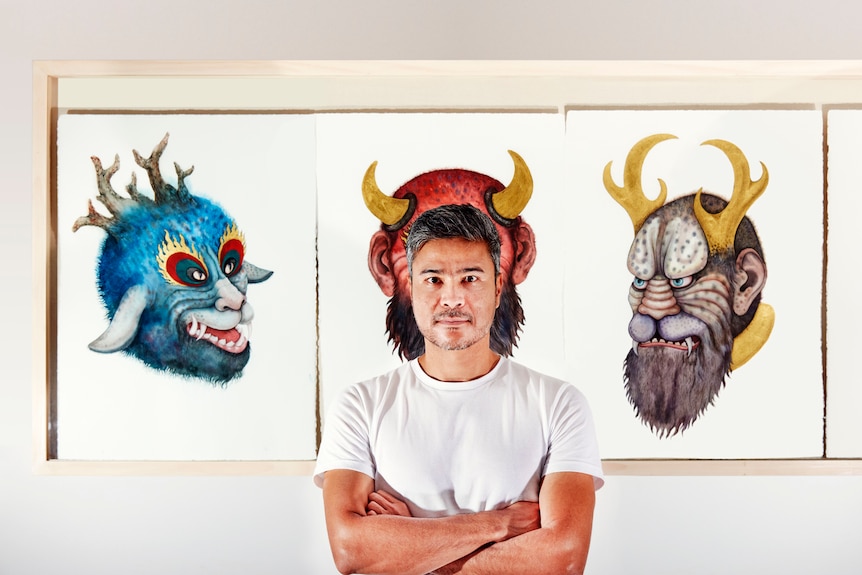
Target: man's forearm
{"points": [[538, 552], [405, 545], [372, 532], [560, 546]]}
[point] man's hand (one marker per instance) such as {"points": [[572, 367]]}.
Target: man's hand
{"points": [[383, 503], [522, 517]]}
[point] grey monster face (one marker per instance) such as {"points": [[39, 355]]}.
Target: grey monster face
{"points": [[698, 273]]}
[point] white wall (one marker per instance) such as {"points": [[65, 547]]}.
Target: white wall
{"points": [[212, 525]]}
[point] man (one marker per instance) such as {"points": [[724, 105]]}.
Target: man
{"points": [[444, 464]]}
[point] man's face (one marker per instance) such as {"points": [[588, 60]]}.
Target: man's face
{"points": [[454, 292]]}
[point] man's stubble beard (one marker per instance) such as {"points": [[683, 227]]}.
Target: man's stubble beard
{"points": [[409, 342]]}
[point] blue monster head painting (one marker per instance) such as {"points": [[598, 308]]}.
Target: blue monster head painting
{"points": [[172, 276]]}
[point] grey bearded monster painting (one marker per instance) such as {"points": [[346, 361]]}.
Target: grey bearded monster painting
{"points": [[172, 276], [699, 273], [387, 257]]}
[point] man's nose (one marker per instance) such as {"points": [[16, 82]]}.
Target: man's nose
{"points": [[452, 295]]}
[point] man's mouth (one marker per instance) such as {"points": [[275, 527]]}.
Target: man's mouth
{"points": [[233, 340], [687, 345], [452, 317]]}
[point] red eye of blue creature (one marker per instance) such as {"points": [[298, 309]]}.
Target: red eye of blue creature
{"points": [[231, 251], [180, 263], [231, 256], [186, 269]]}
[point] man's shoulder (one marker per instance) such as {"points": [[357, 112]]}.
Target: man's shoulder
{"points": [[385, 380], [521, 371], [548, 383]]}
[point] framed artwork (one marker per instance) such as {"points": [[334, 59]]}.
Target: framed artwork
{"points": [[137, 369], [843, 391], [196, 371], [685, 405]]}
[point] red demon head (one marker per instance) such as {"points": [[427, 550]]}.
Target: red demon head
{"points": [[387, 258]]}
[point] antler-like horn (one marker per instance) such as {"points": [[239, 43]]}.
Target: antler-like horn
{"points": [[114, 202], [393, 212], [720, 228], [509, 202], [161, 189], [631, 196], [163, 192]]}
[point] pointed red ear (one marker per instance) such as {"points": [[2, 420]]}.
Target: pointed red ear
{"points": [[525, 252], [379, 263]]}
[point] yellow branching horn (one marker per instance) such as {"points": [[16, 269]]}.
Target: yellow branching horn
{"points": [[720, 228], [509, 202], [385, 208], [631, 196]]}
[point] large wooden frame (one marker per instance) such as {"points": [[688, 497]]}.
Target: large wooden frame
{"points": [[393, 86]]}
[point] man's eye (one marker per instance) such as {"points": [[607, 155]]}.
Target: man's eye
{"points": [[639, 283], [681, 282], [470, 279]]}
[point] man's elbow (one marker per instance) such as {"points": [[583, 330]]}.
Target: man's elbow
{"points": [[343, 562], [566, 556], [343, 554]]}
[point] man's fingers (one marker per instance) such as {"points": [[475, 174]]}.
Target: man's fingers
{"points": [[388, 497], [386, 503], [380, 504]]}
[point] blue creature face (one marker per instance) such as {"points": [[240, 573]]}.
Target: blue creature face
{"points": [[173, 277]]}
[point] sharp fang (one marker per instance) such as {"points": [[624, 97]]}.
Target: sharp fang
{"points": [[194, 326], [202, 332], [635, 347], [688, 344]]}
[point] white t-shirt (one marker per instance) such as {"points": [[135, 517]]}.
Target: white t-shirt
{"points": [[447, 448]]}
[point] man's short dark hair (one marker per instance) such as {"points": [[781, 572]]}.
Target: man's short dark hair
{"points": [[453, 221]]}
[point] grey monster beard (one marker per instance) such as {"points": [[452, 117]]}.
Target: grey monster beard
{"points": [[669, 390]]}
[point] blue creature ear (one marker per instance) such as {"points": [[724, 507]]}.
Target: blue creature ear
{"points": [[124, 324], [255, 274]]}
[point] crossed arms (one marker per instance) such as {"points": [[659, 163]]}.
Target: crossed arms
{"points": [[371, 532]]}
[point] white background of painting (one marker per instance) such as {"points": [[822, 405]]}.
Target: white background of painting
{"points": [[844, 392], [352, 307], [111, 406], [773, 405]]}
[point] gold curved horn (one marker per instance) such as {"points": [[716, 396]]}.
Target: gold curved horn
{"points": [[511, 201], [631, 195], [720, 228], [752, 338], [385, 208]]}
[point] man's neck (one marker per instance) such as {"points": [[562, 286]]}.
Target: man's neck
{"points": [[461, 365]]}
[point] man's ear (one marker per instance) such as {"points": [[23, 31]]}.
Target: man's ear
{"points": [[525, 251], [379, 263], [748, 280]]}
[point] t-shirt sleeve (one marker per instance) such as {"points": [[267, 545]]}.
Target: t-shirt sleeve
{"points": [[573, 445], [345, 443]]}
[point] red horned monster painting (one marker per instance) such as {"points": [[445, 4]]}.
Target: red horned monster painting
{"points": [[387, 258]]}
